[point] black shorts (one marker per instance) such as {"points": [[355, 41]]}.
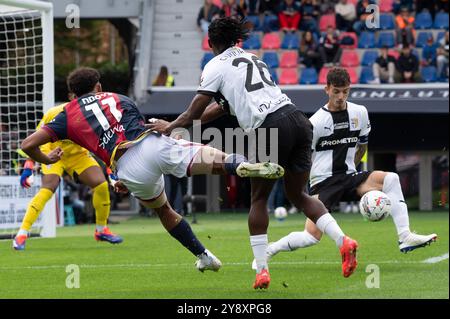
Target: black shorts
{"points": [[295, 133], [339, 188]]}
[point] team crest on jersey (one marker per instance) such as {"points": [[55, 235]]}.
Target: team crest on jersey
{"points": [[354, 122]]}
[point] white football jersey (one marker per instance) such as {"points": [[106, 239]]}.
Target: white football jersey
{"points": [[242, 85], [334, 140]]}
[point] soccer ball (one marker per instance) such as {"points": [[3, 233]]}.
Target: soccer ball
{"points": [[280, 213], [30, 180], [375, 206]]}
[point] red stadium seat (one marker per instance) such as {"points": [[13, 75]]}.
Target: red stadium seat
{"points": [[386, 5], [205, 45], [323, 75], [289, 76], [353, 75], [327, 20], [289, 59], [349, 58], [394, 53], [271, 41], [351, 35]]}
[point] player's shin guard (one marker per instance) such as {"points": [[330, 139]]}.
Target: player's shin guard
{"points": [[294, 241], [101, 203], [328, 225], [183, 233], [399, 211], [259, 247], [35, 207]]}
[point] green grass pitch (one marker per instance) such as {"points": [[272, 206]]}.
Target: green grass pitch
{"points": [[151, 264]]}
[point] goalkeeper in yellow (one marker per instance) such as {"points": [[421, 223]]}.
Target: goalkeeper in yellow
{"points": [[77, 162]]}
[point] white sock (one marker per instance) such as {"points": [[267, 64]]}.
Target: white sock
{"points": [[328, 225], [399, 211], [293, 241], [22, 232], [99, 228], [259, 246]]}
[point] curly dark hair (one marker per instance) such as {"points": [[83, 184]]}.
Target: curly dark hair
{"points": [[338, 77], [227, 32], [82, 80]]}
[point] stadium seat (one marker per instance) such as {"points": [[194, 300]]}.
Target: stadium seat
{"points": [[351, 35], [327, 20], [423, 20], [440, 36], [271, 41], [441, 21], [366, 40], [353, 75], [205, 45], [349, 58], [289, 59], [386, 39], [255, 21], [308, 76], [369, 57], [271, 59], [206, 58], [366, 75], [290, 41], [429, 74], [323, 75], [387, 21], [386, 5], [422, 38], [252, 43], [274, 75], [289, 76], [270, 23]]}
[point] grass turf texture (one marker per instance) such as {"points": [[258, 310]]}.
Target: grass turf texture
{"points": [[151, 264]]}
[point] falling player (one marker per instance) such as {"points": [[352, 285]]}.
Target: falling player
{"points": [[78, 163], [111, 127], [341, 134], [242, 86]]}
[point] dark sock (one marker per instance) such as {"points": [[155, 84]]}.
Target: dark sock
{"points": [[232, 162], [183, 233]]}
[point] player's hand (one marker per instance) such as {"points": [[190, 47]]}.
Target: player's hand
{"points": [[159, 126], [25, 182], [113, 179], [120, 187], [55, 155]]}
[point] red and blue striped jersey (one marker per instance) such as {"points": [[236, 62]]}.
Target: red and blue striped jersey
{"points": [[98, 122]]}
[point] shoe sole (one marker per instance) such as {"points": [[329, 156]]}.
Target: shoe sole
{"points": [[411, 248], [215, 269], [263, 170], [111, 242], [353, 262], [263, 285]]}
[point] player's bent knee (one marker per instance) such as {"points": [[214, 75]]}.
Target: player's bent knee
{"points": [[157, 202]]}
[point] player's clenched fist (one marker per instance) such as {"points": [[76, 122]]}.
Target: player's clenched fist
{"points": [[55, 155]]}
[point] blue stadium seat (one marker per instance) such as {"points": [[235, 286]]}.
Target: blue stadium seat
{"points": [[386, 39], [252, 43], [366, 40], [387, 21], [366, 75], [441, 21], [206, 58], [369, 57], [270, 23], [429, 74], [274, 75], [255, 21], [290, 41], [422, 39], [309, 76], [423, 20], [271, 59]]}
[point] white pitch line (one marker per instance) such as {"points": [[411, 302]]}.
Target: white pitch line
{"points": [[323, 262], [434, 260]]}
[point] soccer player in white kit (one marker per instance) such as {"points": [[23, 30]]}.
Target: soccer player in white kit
{"points": [[341, 133], [242, 86]]}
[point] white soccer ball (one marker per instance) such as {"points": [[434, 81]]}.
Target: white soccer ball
{"points": [[375, 206], [30, 180], [280, 213]]}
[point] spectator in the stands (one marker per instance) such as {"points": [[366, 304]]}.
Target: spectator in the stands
{"points": [[289, 15], [398, 4], [363, 13], [384, 67], [310, 13], [442, 58], [164, 78], [428, 5], [308, 51], [442, 5], [345, 15], [429, 52], [329, 49], [268, 6], [207, 13], [233, 8], [405, 27], [407, 66]]}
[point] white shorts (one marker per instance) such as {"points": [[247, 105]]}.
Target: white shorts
{"points": [[142, 166]]}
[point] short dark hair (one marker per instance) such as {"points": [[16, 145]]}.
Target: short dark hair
{"points": [[228, 31], [82, 80], [338, 77]]}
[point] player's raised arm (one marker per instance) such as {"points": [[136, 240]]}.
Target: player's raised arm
{"points": [[31, 144]]}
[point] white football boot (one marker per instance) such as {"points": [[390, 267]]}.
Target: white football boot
{"points": [[207, 261], [413, 241]]}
